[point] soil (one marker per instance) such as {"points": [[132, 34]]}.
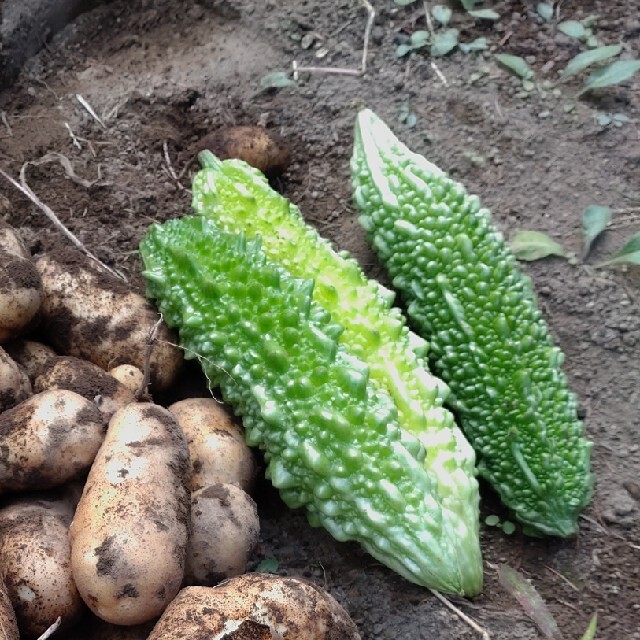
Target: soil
{"points": [[162, 74]]}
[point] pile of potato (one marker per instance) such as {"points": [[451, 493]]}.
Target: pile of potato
{"points": [[122, 517]]}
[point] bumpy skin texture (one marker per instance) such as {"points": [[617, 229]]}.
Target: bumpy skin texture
{"points": [[331, 439], [240, 200], [488, 339]]}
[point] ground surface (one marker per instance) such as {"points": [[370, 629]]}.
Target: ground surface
{"points": [[171, 71]]}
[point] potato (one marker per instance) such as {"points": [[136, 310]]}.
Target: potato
{"points": [[8, 622], [217, 450], [87, 380], [20, 286], [34, 557], [90, 314], [224, 532], [48, 440], [258, 147], [30, 355], [128, 375], [129, 533], [14, 382], [292, 608]]}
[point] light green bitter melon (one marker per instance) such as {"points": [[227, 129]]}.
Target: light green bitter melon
{"points": [[239, 199], [331, 437]]}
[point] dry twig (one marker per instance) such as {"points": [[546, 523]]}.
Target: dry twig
{"points": [[345, 71], [142, 394], [51, 630], [26, 190], [484, 634]]}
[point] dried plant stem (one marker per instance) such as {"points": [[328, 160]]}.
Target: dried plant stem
{"points": [[142, 394], [26, 190], [484, 634], [51, 630], [346, 71]]}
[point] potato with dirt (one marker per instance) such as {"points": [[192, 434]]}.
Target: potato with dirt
{"points": [[48, 440], [128, 375], [31, 355], [14, 382], [90, 314], [86, 379], [224, 532], [130, 530], [257, 146], [20, 286], [35, 562], [8, 622], [217, 449], [290, 607]]}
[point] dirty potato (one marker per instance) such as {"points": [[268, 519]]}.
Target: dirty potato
{"points": [[224, 532], [129, 533], [258, 147], [128, 375], [34, 559], [217, 449], [90, 314], [87, 380], [292, 608], [48, 440], [8, 622], [14, 382], [30, 355], [20, 286]]}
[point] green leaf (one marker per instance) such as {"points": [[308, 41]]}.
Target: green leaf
{"points": [[508, 527], [404, 3], [441, 13], [479, 44], [629, 254], [614, 73], [419, 39], [444, 42], [587, 58], [590, 633], [468, 5], [515, 64], [594, 221], [545, 11], [402, 50], [275, 80], [492, 521], [268, 565], [534, 245], [525, 593], [484, 14], [572, 28]]}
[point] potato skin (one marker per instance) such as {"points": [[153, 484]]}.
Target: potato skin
{"points": [[130, 530], [90, 314], [14, 382], [48, 440], [293, 608], [86, 379], [30, 355], [20, 286], [217, 449], [35, 558], [8, 622], [128, 375], [258, 147], [224, 532]]}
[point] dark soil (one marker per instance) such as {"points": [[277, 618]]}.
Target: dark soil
{"points": [[165, 73]]}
